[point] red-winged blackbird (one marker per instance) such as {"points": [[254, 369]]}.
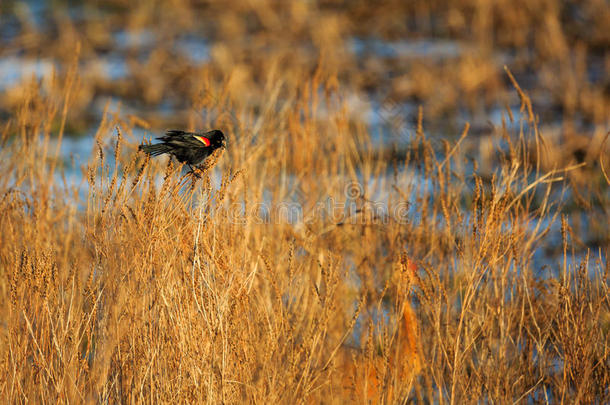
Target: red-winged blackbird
{"points": [[191, 148]]}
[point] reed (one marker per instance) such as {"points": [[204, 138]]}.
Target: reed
{"points": [[309, 262]]}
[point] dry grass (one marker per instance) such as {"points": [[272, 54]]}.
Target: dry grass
{"points": [[276, 277]]}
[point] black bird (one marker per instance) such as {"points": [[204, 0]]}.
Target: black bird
{"points": [[191, 148]]}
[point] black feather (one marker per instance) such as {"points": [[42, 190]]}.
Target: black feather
{"points": [[187, 147], [155, 150]]}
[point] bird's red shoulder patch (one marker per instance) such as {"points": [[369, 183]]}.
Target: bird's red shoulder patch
{"points": [[203, 140]]}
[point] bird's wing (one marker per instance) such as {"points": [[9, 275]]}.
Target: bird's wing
{"points": [[175, 133], [183, 138]]}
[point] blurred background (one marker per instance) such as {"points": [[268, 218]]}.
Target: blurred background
{"points": [[156, 65], [389, 57]]}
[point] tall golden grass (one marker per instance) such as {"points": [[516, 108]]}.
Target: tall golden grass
{"points": [[165, 288], [307, 263]]}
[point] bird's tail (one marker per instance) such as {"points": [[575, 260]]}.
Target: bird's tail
{"points": [[155, 150]]}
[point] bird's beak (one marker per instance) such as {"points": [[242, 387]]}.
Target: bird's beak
{"points": [[224, 144]]}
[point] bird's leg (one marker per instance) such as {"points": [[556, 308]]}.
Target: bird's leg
{"points": [[194, 172]]}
